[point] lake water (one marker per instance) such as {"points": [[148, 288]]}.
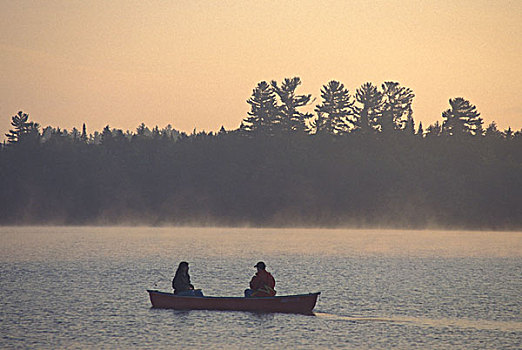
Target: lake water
{"points": [[71, 287]]}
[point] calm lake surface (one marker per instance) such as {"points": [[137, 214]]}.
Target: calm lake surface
{"points": [[71, 287]]}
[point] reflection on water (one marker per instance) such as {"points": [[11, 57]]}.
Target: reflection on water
{"points": [[19, 244], [86, 288], [503, 326]]}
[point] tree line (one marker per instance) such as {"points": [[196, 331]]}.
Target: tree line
{"points": [[360, 160]]}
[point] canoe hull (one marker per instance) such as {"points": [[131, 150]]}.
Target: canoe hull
{"points": [[301, 304]]}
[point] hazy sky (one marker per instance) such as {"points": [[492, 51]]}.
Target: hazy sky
{"points": [[194, 63]]}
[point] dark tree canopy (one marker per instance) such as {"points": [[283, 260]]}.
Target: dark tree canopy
{"points": [[350, 167]]}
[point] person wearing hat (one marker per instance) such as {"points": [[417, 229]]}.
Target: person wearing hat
{"points": [[262, 284], [181, 282]]}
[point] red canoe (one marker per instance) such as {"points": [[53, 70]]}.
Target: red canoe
{"points": [[300, 304]]}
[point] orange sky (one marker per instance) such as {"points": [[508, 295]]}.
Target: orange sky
{"points": [[193, 64]]}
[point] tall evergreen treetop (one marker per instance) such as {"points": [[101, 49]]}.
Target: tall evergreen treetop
{"points": [[396, 103], [461, 118], [263, 113], [333, 114], [24, 130], [370, 98], [83, 136], [492, 130], [290, 119]]}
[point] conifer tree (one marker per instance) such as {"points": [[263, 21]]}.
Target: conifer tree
{"points": [[370, 99], [106, 136], [508, 133], [462, 118], [396, 103], [290, 119], [83, 136], [263, 113], [23, 129], [335, 110], [492, 130]]}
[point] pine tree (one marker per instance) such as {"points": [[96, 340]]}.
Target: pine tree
{"points": [[371, 100], [24, 130], [335, 110], [508, 133], [263, 113], [396, 103], [462, 118], [492, 130], [106, 136], [83, 136], [290, 119]]}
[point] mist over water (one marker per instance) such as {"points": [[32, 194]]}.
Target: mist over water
{"points": [[70, 287]]}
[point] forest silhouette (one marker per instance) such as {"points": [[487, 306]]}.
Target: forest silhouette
{"points": [[359, 160]]}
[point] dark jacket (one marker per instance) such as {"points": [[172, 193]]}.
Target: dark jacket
{"points": [[263, 284], [181, 282]]}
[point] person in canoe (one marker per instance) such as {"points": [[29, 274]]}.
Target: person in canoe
{"points": [[181, 282], [262, 284]]}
